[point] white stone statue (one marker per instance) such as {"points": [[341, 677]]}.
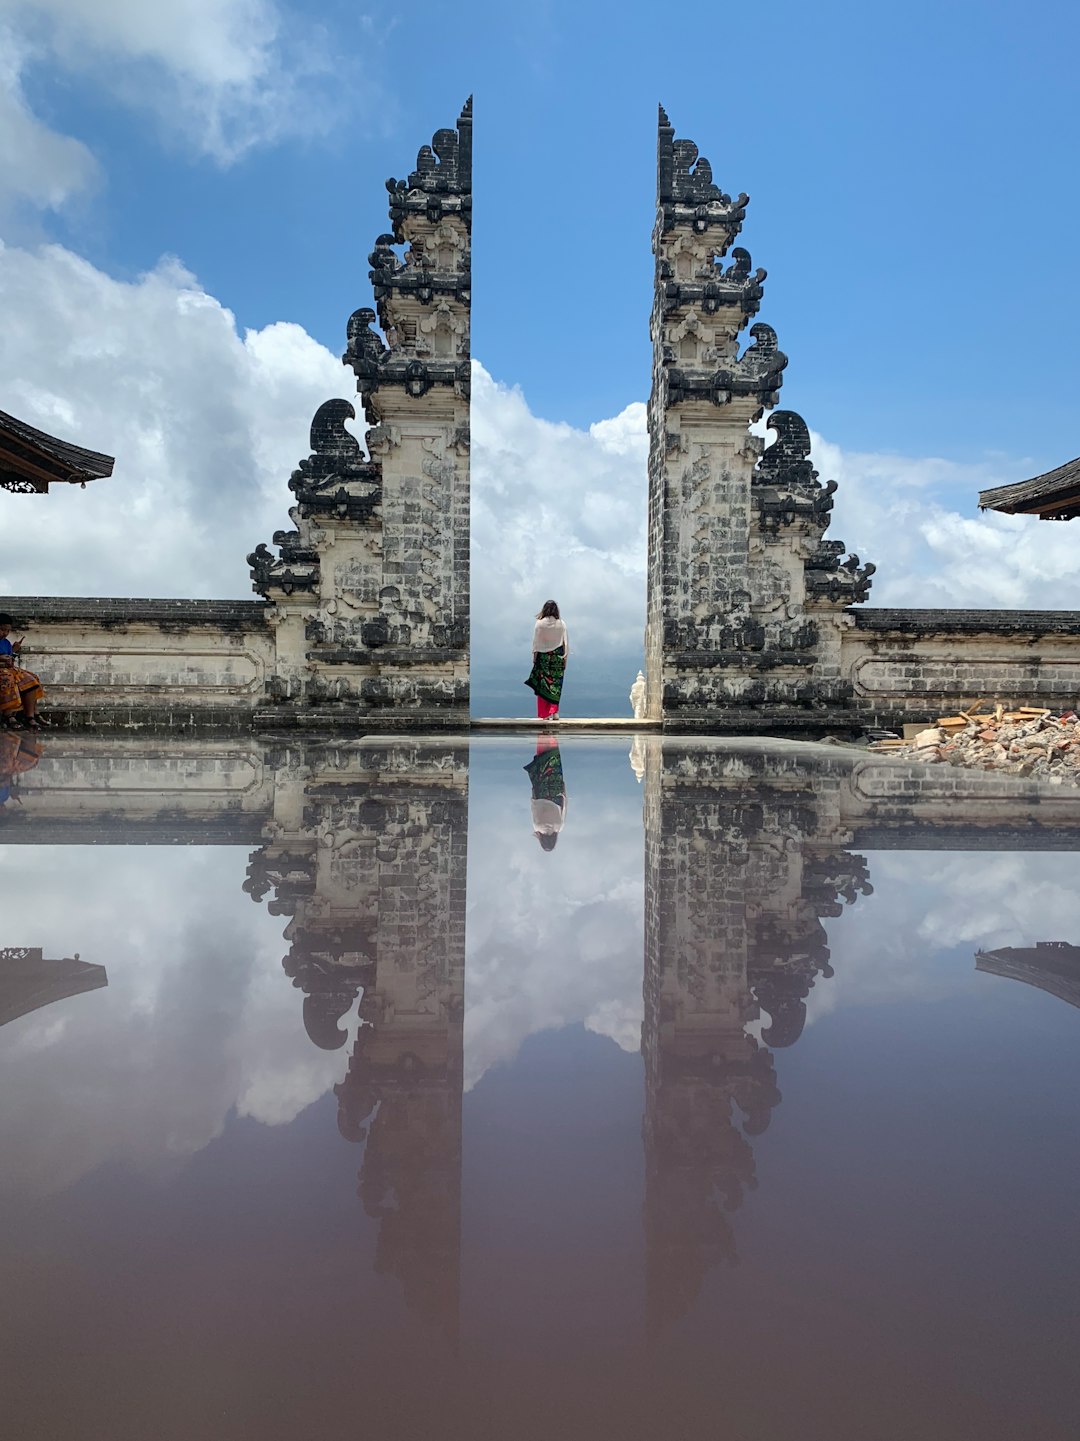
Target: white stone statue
{"points": [[637, 696]]}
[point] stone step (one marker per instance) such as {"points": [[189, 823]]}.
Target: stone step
{"points": [[564, 723]]}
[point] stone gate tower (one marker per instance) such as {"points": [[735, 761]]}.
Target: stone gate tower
{"points": [[745, 597], [370, 592]]}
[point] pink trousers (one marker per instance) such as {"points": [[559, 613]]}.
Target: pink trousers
{"points": [[544, 708]]}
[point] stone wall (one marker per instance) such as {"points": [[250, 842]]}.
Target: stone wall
{"points": [[754, 618], [909, 665], [370, 592], [744, 593], [166, 664]]}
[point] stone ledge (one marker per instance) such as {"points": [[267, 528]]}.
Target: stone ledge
{"points": [[1016, 623], [991, 834], [610, 724], [119, 717], [229, 829], [385, 655], [766, 720], [761, 659], [350, 718], [111, 612]]}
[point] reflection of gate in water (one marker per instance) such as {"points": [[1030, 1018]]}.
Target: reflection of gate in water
{"points": [[749, 848], [373, 879]]}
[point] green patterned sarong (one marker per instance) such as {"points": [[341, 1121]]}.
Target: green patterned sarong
{"points": [[546, 676], [546, 773]]}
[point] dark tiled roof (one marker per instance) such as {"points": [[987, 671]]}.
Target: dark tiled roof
{"points": [[81, 464], [1055, 494], [966, 622], [113, 611]]}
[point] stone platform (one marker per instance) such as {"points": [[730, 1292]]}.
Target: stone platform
{"points": [[607, 725]]}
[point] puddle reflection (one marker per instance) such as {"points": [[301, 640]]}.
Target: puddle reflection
{"points": [[701, 911]]}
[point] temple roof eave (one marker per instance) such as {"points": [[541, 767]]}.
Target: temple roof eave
{"points": [[1053, 496], [32, 460]]}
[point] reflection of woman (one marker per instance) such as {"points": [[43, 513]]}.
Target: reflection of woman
{"points": [[551, 651], [548, 791]]}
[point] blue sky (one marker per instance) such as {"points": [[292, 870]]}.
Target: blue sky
{"points": [[907, 166], [911, 198]]}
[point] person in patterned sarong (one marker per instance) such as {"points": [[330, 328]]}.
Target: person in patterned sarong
{"points": [[20, 690], [548, 791], [550, 652]]}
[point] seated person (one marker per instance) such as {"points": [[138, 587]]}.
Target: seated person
{"points": [[20, 690]]}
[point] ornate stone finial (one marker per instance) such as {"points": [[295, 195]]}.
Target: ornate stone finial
{"points": [[364, 350], [329, 438], [787, 461], [336, 479], [762, 365], [757, 373], [684, 182], [442, 180], [835, 580]]}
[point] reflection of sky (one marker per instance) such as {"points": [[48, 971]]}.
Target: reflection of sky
{"points": [[193, 1209], [927, 904], [197, 1018], [554, 937]]}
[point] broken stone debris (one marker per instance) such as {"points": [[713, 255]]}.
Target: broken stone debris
{"points": [[1022, 741]]}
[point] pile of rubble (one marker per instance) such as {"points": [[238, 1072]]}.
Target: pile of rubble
{"points": [[1025, 741]]}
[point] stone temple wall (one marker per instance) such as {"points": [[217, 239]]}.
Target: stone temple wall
{"points": [[369, 594], [745, 595], [755, 617], [363, 621], [755, 621], [164, 664], [908, 665]]}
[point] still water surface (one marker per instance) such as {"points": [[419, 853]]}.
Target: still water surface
{"points": [[747, 1107]]}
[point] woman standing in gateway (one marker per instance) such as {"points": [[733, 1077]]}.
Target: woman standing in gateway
{"points": [[551, 651]]}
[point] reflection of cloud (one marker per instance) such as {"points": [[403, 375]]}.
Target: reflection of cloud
{"points": [[894, 944], [554, 937], [198, 1017]]}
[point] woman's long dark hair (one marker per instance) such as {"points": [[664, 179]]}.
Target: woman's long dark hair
{"points": [[548, 611]]}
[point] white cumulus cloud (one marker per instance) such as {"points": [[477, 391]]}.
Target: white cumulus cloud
{"points": [[222, 76], [207, 423], [37, 164], [556, 512]]}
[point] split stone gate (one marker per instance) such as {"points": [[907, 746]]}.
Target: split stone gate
{"points": [[754, 618]]}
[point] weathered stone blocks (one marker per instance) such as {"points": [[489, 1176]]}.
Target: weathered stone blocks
{"points": [[375, 629], [743, 595]]}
